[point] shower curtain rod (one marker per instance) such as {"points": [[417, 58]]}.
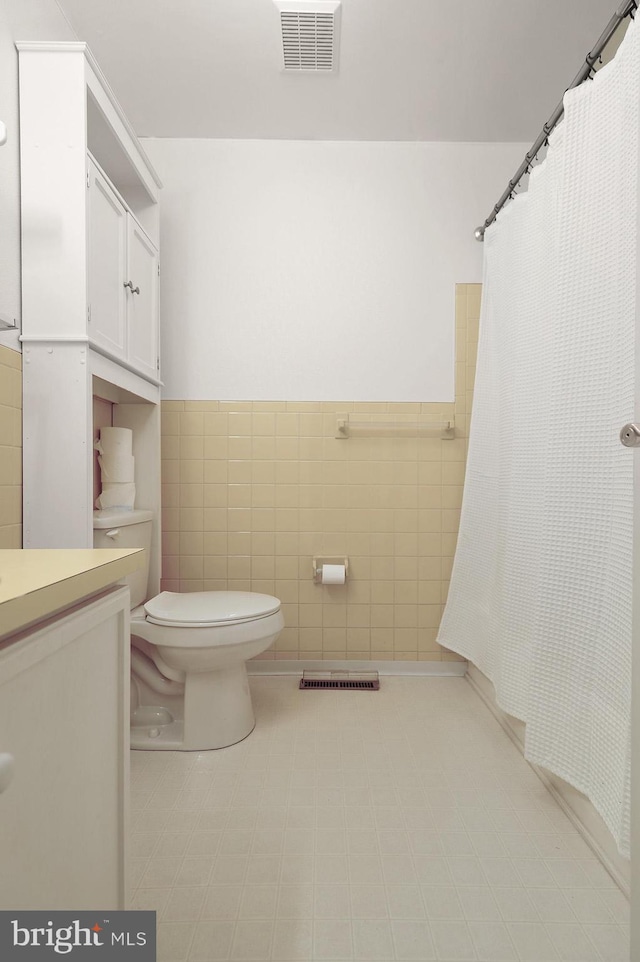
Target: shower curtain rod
{"points": [[625, 9]]}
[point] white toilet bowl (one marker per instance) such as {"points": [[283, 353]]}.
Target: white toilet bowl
{"points": [[199, 641], [189, 687]]}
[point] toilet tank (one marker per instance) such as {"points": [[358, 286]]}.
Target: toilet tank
{"points": [[115, 528]]}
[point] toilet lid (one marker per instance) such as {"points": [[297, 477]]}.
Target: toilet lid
{"points": [[205, 609]]}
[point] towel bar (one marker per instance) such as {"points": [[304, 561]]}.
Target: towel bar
{"points": [[444, 428]]}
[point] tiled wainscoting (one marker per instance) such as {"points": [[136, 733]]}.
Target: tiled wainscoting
{"points": [[10, 448], [252, 491]]}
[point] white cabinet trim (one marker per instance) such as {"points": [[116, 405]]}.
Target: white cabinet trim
{"points": [[101, 89]]}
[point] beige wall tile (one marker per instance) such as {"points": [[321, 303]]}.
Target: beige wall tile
{"points": [[170, 542], [191, 423], [10, 465], [216, 568], [10, 504], [170, 422], [239, 472], [239, 424], [405, 593], [201, 405], [263, 448], [215, 495], [287, 567], [191, 495], [237, 449], [11, 536], [310, 616], [429, 569], [216, 448], [286, 590], [191, 471], [10, 425], [170, 447], [334, 639], [215, 519], [239, 567], [254, 489], [310, 640], [382, 640], [215, 424], [429, 592], [235, 405], [215, 472]]}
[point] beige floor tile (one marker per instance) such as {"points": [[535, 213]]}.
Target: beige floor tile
{"points": [[395, 827]]}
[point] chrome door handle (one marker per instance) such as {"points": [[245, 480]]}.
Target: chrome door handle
{"points": [[630, 435], [134, 290]]}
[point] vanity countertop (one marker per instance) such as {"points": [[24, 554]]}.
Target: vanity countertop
{"points": [[37, 582]]}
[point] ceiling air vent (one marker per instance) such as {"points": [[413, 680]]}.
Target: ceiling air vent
{"points": [[310, 34]]}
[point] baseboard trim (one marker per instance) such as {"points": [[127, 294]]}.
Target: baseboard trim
{"points": [[266, 666], [617, 867]]}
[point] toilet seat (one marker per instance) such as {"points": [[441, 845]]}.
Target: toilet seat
{"points": [[208, 609]]}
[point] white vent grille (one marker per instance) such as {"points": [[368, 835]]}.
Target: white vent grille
{"points": [[309, 35]]}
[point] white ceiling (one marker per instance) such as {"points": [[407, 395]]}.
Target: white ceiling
{"points": [[448, 70]]}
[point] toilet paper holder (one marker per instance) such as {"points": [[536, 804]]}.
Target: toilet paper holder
{"points": [[334, 560]]}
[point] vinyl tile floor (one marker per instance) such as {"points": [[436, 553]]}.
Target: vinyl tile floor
{"points": [[393, 825]]}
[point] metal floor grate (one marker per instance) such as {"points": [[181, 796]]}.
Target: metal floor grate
{"points": [[341, 681]]}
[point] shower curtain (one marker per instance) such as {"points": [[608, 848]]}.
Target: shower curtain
{"points": [[540, 595]]}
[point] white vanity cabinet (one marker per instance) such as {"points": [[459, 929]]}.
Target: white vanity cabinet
{"points": [[64, 728], [123, 269], [63, 817]]}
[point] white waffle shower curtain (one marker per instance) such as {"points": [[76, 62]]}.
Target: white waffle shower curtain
{"points": [[540, 596]]}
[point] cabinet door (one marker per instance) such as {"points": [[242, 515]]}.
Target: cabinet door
{"points": [[107, 238], [64, 707], [142, 302]]}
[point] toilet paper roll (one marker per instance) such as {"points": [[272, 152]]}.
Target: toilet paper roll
{"points": [[116, 495], [333, 575], [114, 440], [116, 467]]}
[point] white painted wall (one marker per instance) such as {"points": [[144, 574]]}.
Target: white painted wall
{"points": [[19, 20], [318, 270]]}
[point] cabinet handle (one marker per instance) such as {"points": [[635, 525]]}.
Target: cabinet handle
{"points": [[134, 290]]}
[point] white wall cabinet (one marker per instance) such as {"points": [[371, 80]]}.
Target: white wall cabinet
{"points": [[107, 266], [142, 301], [90, 225], [123, 268]]}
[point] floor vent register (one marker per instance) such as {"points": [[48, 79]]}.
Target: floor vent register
{"points": [[340, 680]]}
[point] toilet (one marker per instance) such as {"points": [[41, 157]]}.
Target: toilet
{"points": [[189, 686]]}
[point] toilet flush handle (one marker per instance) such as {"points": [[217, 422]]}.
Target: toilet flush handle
{"points": [[113, 533]]}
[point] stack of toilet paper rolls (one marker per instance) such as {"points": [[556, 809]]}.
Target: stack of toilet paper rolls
{"points": [[117, 465]]}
